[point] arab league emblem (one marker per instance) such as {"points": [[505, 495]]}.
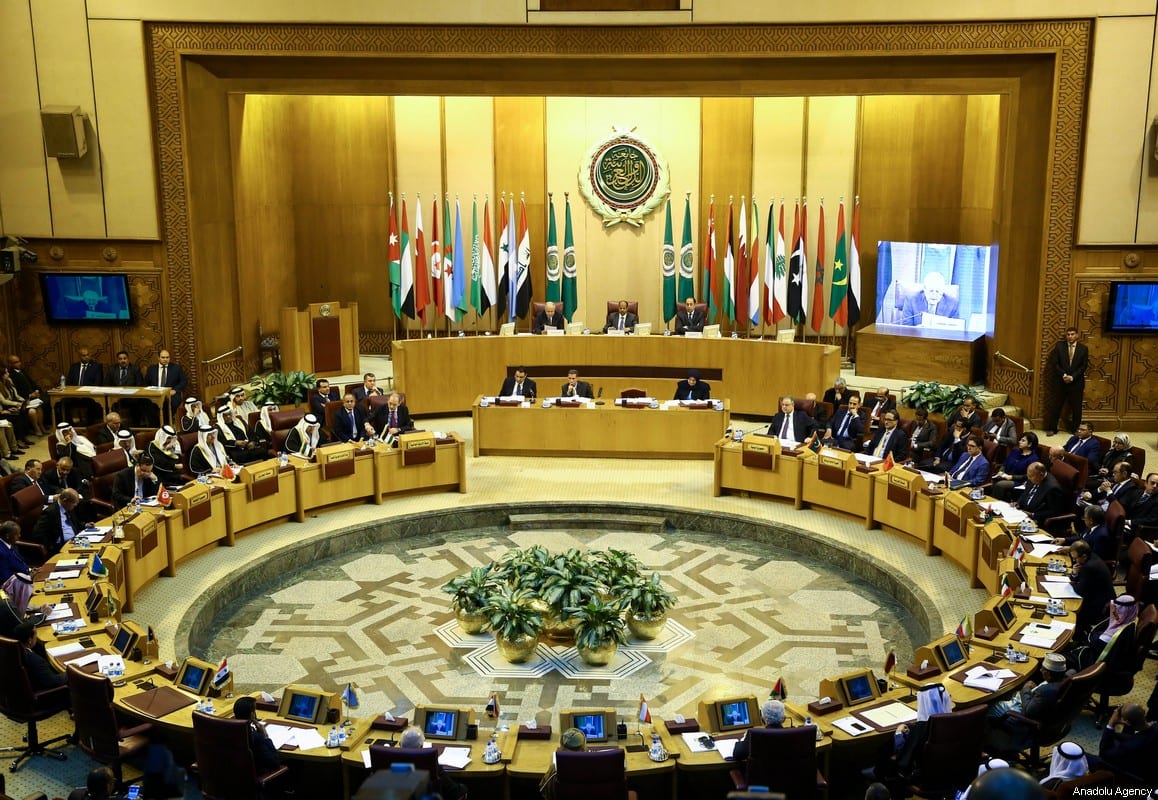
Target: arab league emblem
{"points": [[623, 178]]}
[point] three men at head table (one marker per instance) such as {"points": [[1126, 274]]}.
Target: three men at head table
{"points": [[621, 320], [693, 387], [689, 318], [519, 385], [549, 317], [930, 300], [575, 387], [789, 423]]}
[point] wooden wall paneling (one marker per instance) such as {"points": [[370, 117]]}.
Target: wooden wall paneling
{"points": [[24, 200], [725, 170], [1101, 399], [417, 137], [981, 169], [520, 167], [213, 280]]}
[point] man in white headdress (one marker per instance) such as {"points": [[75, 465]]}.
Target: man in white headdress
{"points": [[127, 443], [166, 452], [208, 457], [76, 446], [1068, 762], [194, 418], [303, 439]]}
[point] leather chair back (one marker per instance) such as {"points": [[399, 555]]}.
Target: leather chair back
{"points": [[592, 773], [784, 760], [953, 746], [633, 393], [1140, 558], [277, 444], [423, 758], [1068, 476], [376, 403], [807, 406], [632, 307], [108, 463], [224, 758], [284, 420], [26, 507], [17, 701], [97, 732]]}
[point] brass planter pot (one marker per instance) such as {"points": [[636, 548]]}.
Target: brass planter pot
{"points": [[470, 622], [599, 656], [518, 649], [556, 630], [646, 627]]}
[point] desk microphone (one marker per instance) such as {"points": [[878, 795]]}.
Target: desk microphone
{"points": [[598, 395]]}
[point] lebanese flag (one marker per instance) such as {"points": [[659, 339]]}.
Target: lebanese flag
{"points": [[421, 288], [163, 496], [435, 261]]}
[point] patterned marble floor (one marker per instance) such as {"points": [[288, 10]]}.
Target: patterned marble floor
{"points": [[682, 486]]}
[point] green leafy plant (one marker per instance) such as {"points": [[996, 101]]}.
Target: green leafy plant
{"points": [[283, 388], [647, 597], [616, 569], [510, 614], [598, 623], [523, 569], [938, 398], [471, 593], [569, 580]]}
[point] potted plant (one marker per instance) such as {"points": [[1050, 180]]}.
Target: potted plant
{"points": [[647, 606], [470, 595], [515, 623], [599, 630], [568, 581], [283, 388], [937, 398], [618, 570], [523, 569]]}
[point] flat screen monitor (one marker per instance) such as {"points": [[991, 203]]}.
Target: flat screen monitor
{"points": [[195, 675], [125, 641], [858, 688], [92, 603], [941, 288], [734, 714], [597, 724], [1132, 307], [442, 722], [951, 651], [302, 705], [74, 297], [1005, 614]]}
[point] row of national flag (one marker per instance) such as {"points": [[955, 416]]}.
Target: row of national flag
{"points": [[733, 289], [458, 271]]}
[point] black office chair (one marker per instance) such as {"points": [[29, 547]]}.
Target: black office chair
{"points": [[98, 732], [595, 773], [19, 702], [784, 760], [225, 761], [952, 749]]}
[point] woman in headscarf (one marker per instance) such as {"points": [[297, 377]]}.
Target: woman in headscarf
{"points": [[235, 438], [303, 439], [208, 457], [1119, 629], [25, 420], [127, 444], [166, 452], [1068, 763], [263, 433], [1118, 451], [195, 417], [77, 447]]}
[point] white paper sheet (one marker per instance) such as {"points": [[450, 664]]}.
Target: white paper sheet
{"points": [[867, 459], [891, 714], [1038, 538], [987, 680], [71, 563], [59, 611], [85, 660], [64, 649], [65, 574], [366, 758], [1046, 549], [692, 740], [1061, 591], [726, 748], [454, 757], [852, 726], [1055, 579]]}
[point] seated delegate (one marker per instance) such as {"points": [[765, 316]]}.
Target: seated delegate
{"points": [[575, 387], [692, 387], [549, 317], [519, 385], [621, 320], [689, 319]]}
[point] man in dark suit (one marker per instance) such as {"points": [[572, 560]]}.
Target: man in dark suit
{"points": [[520, 385], [972, 469], [11, 562], [1091, 579], [930, 300], [789, 423], [889, 439], [84, 372], [369, 388], [135, 482], [1066, 371], [33, 475], [325, 394], [549, 317], [838, 393], [58, 523], [846, 425], [1043, 496], [966, 412], [1095, 533], [688, 319], [40, 672], [1119, 486], [882, 402], [575, 387], [1144, 511], [1132, 749], [350, 421], [126, 374], [395, 418], [166, 373], [693, 387], [108, 433], [622, 320], [1083, 444]]}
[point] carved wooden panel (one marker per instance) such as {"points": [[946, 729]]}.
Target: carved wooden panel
{"points": [[1142, 381], [374, 341], [1101, 395]]}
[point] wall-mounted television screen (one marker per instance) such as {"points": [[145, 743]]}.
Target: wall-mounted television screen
{"points": [[939, 288], [75, 297], [1133, 307]]}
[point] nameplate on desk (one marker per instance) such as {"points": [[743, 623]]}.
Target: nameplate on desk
{"points": [[141, 530], [918, 674], [759, 451], [262, 471], [194, 503], [898, 492], [417, 448], [337, 461]]}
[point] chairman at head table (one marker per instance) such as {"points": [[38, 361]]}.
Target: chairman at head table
{"points": [[549, 317], [519, 386], [621, 320], [930, 300], [689, 319]]}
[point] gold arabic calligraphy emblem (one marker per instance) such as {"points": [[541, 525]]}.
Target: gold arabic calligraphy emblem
{"points": [[623, 179]]}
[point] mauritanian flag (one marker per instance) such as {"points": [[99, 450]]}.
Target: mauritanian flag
{"points": [[686, 284], [489, 291], [838, 293], [710, 267], [729, 292], [854, 268], [394, 258], [754, 269], [742, 264], [421, 287], [407, 266], [554, 273], [436, 289], [570, 266], [667, 268], [818, 283]]}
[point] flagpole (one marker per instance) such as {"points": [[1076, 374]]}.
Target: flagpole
{"points": [[389, 215]]}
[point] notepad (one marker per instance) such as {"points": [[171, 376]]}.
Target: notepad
{"points": [[1061, 591], [852, 726], [64, 649], [65, 574], [890, 715], [454, 757]]}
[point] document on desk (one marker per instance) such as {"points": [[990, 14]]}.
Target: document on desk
{"points": [[71, 563], [302, 738], [454, 757], [83, 661], [987, 680], [866, 459], [1037, 538], [65, 574], [1044, 636], [1061, 591], [64, 649], [890, 715], [1046, 549], [698, 742], [726, 747], [59, 611], [852, 726]]}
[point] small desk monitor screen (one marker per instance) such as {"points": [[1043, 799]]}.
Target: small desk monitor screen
{"points": [[858, 688], [592, 726], [734, 714], [1005, 614], [124, 642], [193, 676], [440, 723], [303, 707], [93, 601], [952, 653]]}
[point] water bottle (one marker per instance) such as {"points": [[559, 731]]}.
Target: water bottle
{"points": [[61, 381], [341, 737], [1009, 652], [332, 738], [283, 459]]}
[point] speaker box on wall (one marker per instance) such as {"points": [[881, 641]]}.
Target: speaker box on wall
{"points": [[63, 131]]}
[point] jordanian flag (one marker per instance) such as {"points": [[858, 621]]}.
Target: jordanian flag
{"points": [[554, 276], [838, 294], [668, 269], [686, 284], [394, 257], [570, 267]]}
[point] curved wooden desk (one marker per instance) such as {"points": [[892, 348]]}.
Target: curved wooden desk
{"points": [[445, 375]]}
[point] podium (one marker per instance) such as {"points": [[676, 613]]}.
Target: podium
{"points": [[322, 339]]}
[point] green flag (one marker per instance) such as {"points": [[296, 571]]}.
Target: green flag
{"points": [[475, 261], [552, 254], [686, 286], [837, 308], [570, 269], [394, 258], [668, 267]]}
